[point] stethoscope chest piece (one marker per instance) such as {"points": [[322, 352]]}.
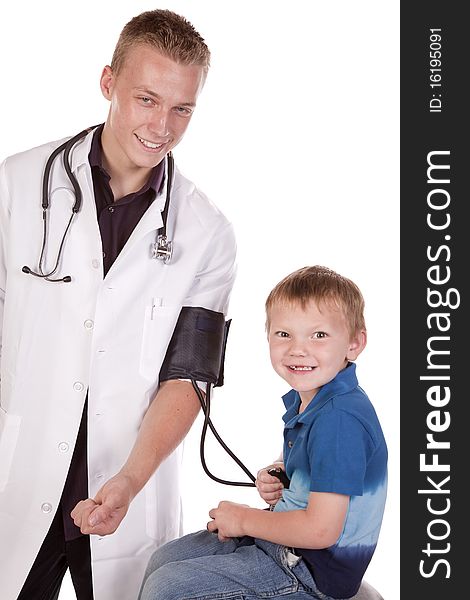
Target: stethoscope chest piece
{"points": [[162, 249]]}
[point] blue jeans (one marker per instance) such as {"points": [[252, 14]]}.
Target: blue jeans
{"points": [[200, 567]]}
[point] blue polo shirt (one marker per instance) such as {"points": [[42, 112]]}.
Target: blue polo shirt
{"points": [[336, 445]]}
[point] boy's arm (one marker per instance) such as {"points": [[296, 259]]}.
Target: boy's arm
{"points": [[318, 526]]}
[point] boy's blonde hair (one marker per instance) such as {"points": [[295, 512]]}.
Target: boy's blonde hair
{"points": [[168, 33], [323, 286]]}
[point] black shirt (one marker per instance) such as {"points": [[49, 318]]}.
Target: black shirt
{"points": [[117, 218]]}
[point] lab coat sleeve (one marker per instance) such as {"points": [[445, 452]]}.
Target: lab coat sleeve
{"points": [[4, 220], [213, 282]]}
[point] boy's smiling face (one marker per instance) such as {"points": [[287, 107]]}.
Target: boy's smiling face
{"points": [[309, 346]]}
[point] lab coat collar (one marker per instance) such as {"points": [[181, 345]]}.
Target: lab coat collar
{"points": [[79, 154]]}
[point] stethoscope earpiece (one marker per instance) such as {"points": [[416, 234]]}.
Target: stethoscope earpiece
{"points": [[27, 270]]}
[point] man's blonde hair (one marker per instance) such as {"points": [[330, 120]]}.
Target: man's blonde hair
{"points": [[168, 33], [323, 286]]}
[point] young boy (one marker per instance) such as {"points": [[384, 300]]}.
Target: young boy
{"points": [[322, 533]]}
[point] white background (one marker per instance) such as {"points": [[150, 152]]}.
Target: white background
{"points": [[296, 139]]}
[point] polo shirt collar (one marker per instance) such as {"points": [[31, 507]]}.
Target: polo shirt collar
{"points": [[344, 382]]}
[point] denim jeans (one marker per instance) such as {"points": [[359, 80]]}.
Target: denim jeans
{"points": [[200, 567]]}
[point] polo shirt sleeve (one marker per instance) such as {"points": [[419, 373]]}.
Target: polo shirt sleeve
{"points": [[338, 446]]}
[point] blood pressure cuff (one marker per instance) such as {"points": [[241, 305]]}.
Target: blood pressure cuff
{"points": [[197, 348]]}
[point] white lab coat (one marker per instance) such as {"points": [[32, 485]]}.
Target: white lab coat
{"points": [[108, 336]]}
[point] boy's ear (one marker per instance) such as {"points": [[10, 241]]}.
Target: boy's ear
{"points": [[356, 345]]}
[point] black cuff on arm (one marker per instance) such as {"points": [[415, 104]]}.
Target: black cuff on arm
{"points": [[197, 348]]}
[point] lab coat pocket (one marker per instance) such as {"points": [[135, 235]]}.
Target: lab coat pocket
{"points": [[159, 323], [9, 430]]}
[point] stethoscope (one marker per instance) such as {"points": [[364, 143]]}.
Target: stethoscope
{"points": [[161, 250]]}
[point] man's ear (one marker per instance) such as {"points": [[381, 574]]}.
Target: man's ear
{"points": [[356, 345], [106, 82]]}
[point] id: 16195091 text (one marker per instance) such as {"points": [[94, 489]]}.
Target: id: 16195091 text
{"points": [[435, 70]]}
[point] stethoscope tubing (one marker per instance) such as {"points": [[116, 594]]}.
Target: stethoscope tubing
{"points": [[66, 148]]}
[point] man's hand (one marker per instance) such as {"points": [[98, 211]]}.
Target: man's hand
{"points": [[268, 486], [165, 424], [227, 520], [103, 514]]}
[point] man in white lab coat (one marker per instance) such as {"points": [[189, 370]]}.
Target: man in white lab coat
{"points": [[86, 426]]}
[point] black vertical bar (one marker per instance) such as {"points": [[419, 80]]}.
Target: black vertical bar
{"points": [[434, 332]]}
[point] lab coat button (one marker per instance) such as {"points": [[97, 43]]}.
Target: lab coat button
{"points": [[63, 447], [78, 386], [88, 324], [95, 263], [46, 507]]}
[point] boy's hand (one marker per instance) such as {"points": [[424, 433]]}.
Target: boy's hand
{"points": [[227, 520], [268, 486]]}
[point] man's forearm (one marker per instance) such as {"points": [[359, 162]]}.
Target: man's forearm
{"points": [[165, 425], [167, 421]]}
